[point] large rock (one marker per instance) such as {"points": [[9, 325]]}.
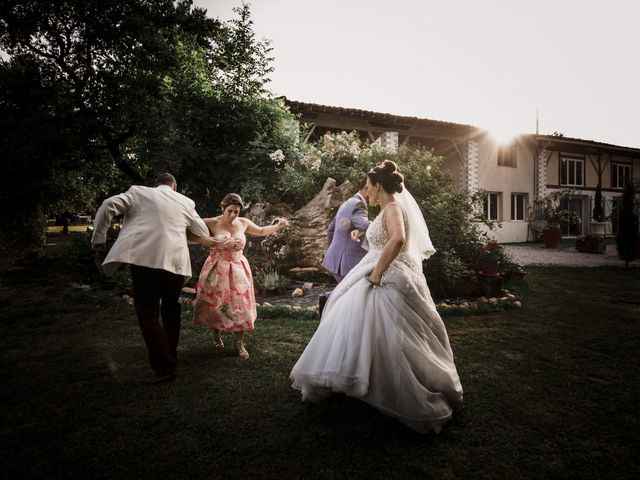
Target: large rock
{"points": [[309, 224], [273, 251], [266, 213], [303, 244]]}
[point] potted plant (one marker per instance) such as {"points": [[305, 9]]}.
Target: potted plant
{"points": [[555, 213], [591, 244], [489, 259]]}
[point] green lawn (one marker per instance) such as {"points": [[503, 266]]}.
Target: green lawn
{"points": [[551, 391], [57, 229]]}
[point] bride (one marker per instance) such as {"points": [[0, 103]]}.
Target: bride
{"points": [[381, 339]]}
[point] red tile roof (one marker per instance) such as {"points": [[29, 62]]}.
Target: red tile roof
{"points": [[376, 116], [580, 141], [399, 119]]}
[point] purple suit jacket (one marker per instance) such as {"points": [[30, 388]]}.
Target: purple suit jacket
{"points": [[343, 253]]}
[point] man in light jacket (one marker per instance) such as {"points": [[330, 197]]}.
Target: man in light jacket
{"points": [[344, 252], [153, 241]]}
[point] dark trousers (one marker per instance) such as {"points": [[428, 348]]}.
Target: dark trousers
{"points": [[156, 293]]}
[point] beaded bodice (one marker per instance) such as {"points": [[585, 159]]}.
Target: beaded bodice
{"points": [[377, 234], [377, 238]]}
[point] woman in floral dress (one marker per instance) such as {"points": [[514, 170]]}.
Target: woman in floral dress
{"points": [[225, 300]]}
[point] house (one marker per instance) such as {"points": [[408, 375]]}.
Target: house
{"points": [[512, 174]]}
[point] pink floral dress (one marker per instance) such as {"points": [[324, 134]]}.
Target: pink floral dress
{"points": [[225, 299]]}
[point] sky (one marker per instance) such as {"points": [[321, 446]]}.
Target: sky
{"points": [[488, 63]]}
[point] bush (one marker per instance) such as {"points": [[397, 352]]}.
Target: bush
{"points": [[450, 214], [85, 263], [22, 235], [341, 156], [270, 279]]}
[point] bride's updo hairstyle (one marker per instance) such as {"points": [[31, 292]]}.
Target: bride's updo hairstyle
{"points": [[387, 175]]}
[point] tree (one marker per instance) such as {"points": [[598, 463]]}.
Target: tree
{"points": [[599, 166], [116, 91], [82, 79], [627, 237], [105, 61]]}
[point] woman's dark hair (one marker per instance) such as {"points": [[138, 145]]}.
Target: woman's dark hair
{"points": [[231, 199], [387, 175]]}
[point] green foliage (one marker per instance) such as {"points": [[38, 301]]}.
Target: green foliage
{"points": [[239, 62], [442, 271], [554, 208], [340, 156], [285, 312], [21, 236], [451, 215], [491, 253], [598, 211], [81, 259], [236, 153], [85, 264], [102, 64], [270, 279], [116, 92]]}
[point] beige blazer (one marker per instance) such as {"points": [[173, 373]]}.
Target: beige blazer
{"points": [[154, 232]]}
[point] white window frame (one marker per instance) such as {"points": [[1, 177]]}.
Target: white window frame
{"points": [[514, 206], [618, 169], [492, 197], [572, 167]]}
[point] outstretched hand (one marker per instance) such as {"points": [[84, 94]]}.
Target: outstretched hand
{"points": [[282, 222]]}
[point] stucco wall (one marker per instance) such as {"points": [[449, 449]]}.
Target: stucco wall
{"points": [[510, 232], [506, 180]]}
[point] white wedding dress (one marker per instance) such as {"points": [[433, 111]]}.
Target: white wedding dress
{"points": [[384, 345]]}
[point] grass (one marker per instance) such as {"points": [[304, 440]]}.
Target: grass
{"points": [[551, 391], [55, 229]]}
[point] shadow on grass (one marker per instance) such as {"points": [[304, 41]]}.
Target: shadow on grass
{"points": [[550, 391]]}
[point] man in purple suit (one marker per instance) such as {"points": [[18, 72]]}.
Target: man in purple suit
{"points": [[344, 253]]}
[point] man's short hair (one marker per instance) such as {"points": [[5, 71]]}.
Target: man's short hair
{"points": [[362, 181], [166, 179]]}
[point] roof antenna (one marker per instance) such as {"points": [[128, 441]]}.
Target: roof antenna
{"points": [[537, 131]]}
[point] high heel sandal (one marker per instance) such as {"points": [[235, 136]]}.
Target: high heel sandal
{"points": [[242, 352], [217, 341]]}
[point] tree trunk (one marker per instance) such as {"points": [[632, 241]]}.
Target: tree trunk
{"points": [[113, 146]]}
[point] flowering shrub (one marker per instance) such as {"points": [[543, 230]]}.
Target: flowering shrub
{"points": [[341, 156], [277, 157], [448, 212]]}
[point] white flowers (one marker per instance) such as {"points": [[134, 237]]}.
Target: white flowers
{"points": [[277, 157], [312, 159]]}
